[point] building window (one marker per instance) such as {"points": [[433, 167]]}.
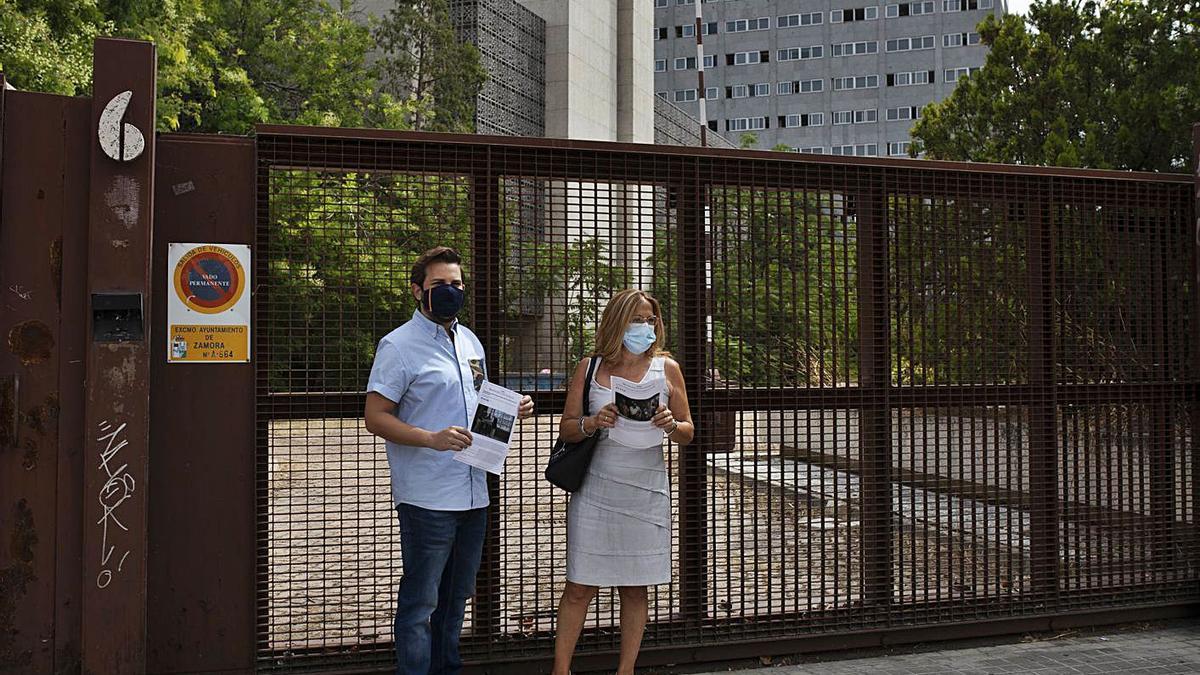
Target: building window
{"points": [[744, 25], [747, 58], [710, 61], [797, 20], [800, 87], [802, 53], [684, 2], [855, 48], [856, 82], [747, 124], [965, 5], [861, 150], [808, 120], [685, 95], [960, 39], [709, 28], [899, 148], [712, 124], [687, 30], [907, 79], [909, 9], [761, 89], [856, 14], [956, 74], [660, 4], [712, 93], [869, 116], [685, 63], [660, 65], [661, 94], [904, 113], [737, 91], [906, 44], [660, 33], [814, 150]]}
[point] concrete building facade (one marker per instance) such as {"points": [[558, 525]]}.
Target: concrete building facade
{"points": [[599, 69], [845, 77], [512, 46]]}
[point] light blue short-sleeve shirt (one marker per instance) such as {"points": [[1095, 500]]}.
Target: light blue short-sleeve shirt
{"points": [[434, 382]]}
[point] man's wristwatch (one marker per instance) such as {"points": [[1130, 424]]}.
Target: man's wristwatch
{"points": [[674, 428]]}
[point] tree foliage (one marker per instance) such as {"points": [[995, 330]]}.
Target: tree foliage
{"points": [[47, 46], [226, 65], [424, 61], [1077, 83]]}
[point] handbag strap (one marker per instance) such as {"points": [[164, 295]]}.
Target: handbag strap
{"points": [[587, 385]]}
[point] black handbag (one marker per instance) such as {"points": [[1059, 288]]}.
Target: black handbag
{"points": [[569, 462]]}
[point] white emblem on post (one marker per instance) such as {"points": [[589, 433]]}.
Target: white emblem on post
{"points": [[120, 141]]}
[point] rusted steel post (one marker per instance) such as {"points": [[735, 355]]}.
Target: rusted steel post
{"points": [[42, 217], [1195, 308], [116, 421], [1043, 454], [875, 437], [484, 282], [1161, 409], [693, 340]]}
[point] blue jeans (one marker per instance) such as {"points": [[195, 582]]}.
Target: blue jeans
{"points": [[440, 551]]}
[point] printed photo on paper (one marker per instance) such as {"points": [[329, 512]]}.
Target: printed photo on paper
{"points": [[491, 427], [638, 410], [491, 423], [637, 403]]}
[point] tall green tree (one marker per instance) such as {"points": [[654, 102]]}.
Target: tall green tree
{"points": [[1077, 83], [46, 45], [226, 65], [426, 65]]}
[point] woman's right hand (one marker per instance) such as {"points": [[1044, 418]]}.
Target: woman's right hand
{"points": [[606, 418]]}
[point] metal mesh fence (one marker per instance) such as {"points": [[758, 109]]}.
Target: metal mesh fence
{"points": [[924, 393]]}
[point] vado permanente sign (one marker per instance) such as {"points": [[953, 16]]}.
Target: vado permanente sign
{"points": [[208, 310]]}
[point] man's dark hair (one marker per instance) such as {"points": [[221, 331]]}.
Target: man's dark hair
{"points": [[443, 254]]}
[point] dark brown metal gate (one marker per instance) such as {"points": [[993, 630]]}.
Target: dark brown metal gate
{"points": [[927, 394], [933, 399]]}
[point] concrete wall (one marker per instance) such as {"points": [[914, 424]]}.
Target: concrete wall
{"points": [[599, 69]]}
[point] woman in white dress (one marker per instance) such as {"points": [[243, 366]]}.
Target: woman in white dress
{"points": [[619, 522]]}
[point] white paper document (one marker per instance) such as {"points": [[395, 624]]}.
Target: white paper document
{"points": [[491, 428], [637, 403]]}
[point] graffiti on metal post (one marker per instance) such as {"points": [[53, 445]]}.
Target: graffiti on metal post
{"points": [[119, 486]]}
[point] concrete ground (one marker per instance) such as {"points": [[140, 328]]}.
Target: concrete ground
{"points": [[1167, 647]]}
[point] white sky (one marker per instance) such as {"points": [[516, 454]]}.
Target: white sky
{"points": [[1018, 6]]}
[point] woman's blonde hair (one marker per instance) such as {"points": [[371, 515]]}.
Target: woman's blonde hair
{"points": [[617, 314]]}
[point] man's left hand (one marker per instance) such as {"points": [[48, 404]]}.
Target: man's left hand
{"points": [[526, 409]]}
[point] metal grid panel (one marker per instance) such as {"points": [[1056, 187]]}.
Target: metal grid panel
{"points": [[916, 399]]}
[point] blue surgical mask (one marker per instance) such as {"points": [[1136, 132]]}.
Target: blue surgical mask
{"points": [[639, 337], [444, 302]]}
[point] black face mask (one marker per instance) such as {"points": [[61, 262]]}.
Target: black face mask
{"points": [[444, 302]]}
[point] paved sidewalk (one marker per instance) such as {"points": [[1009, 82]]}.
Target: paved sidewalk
{"points": [[1169, 647]]}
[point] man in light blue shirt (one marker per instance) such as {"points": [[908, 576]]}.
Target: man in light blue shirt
{"points": [[423, 388]]}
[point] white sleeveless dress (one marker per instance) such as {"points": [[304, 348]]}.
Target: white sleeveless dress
{"points": [[619, 522]]}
